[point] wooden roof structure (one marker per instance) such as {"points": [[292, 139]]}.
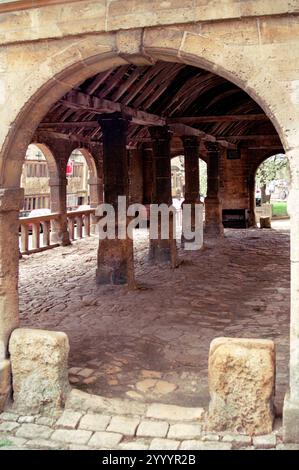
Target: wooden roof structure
{"points": [[190, 100]]}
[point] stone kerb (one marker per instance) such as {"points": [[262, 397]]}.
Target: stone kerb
{"points": [[241, 383], [39, 361]]}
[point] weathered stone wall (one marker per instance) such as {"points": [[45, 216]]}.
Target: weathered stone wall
{"points": [[236, 48], [234, 189]]}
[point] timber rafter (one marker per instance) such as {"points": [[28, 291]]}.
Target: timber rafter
{"points": [[191, 101]]}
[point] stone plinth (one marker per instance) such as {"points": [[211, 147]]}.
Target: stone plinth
{"points": [[241, 383], [39, 368]]}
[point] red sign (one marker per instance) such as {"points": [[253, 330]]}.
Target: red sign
{"points": [[69, 169]]}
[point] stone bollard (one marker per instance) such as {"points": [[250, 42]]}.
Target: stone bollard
{"points": [[265, 222], [241, 383], [39, 361]]}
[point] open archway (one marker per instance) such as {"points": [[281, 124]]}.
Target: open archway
{"points": [[74, 114]]}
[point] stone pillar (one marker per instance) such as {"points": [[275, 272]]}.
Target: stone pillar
{"points": [[59, 228], [147, 156], [136, 176], [291, 402], [251, 191], [213, 207], [95, 198], [95, 191], [192, 196], [11, 201], [115, 257], [162, 250]]}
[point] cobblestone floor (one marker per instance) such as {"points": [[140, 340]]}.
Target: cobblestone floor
{"points": [[96, 423], [152, 344]]}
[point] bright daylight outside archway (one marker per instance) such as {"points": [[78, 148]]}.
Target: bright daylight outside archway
{"points": [[273, 182]]}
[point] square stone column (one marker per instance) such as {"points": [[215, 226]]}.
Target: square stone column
{"points": [[11, 201], [115, 256], [147, 160], [213, 206], [59, 228], [291, 403], [192, 191], [241, 383], [162, 249]]}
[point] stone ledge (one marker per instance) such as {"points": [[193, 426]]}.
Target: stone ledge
{"points": [[78, 400]]}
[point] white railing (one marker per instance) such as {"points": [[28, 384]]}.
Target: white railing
{"points": [[79, 223], [35, 232]]}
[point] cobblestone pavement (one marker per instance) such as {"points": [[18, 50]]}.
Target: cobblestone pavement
{"points": [[91, 422], [151, 344]]}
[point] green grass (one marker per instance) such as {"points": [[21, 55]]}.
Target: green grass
{"points": [[279, 209], [5, 443]]}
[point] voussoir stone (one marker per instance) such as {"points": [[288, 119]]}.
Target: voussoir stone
{"points": [[241, 382], [39, 368]]}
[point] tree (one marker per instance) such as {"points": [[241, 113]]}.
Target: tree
{"points": [[203, 177], [273, 168]]}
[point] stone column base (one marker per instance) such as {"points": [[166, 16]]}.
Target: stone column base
{"points": [[213, 219], [163, 251], [115, 262], [290, 420], [59, 232]]}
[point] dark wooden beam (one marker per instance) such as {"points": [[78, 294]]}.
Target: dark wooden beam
{"points": [[256, 137], [267, 147], [60, 135], [68, 124], [222, 118], [78, 100]]}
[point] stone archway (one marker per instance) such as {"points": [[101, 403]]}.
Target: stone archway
{"points": [[63, 70]]}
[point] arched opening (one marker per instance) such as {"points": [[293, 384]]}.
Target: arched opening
{"points": [[272, 188], [159, 361], [35, 180], [78, 173], [39, 169]]}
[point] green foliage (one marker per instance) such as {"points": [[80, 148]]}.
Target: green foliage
{"points": [[273, 168]]}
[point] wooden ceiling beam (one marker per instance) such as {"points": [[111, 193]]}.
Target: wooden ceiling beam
{"points": [[61, 135], [78, 100], [222, 118], [256, 137], [68, 125]]}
